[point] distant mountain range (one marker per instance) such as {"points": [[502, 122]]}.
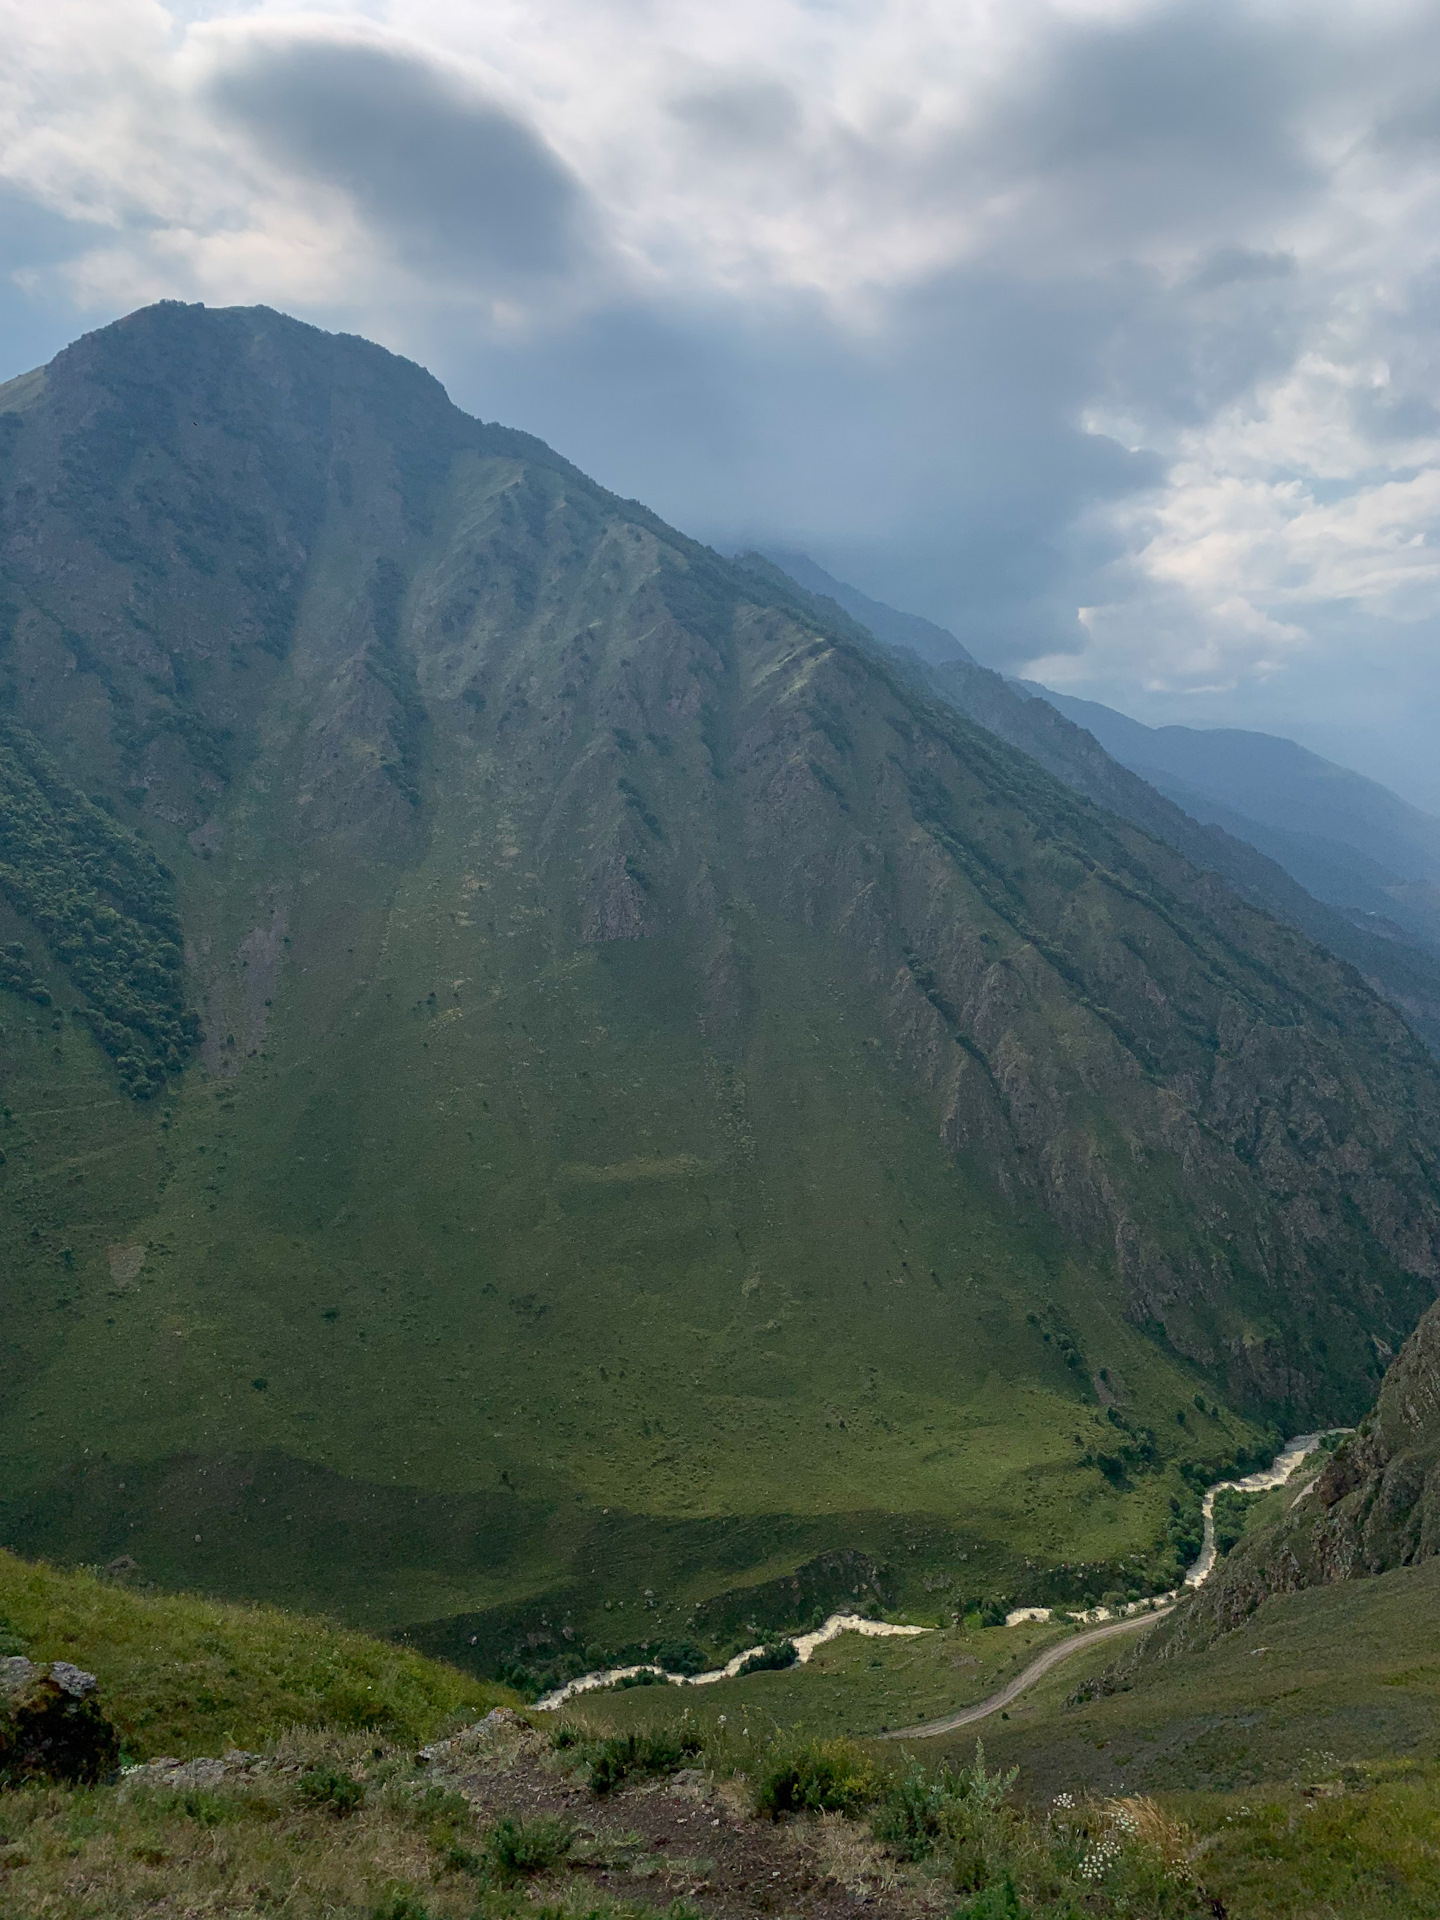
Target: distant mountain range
{"points": [[552, 1086], [1346, 839], [1324, 849], [936, 646]]}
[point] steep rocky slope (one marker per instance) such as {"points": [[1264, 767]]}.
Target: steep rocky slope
{"points": [[1373, 1507], [676, 1099]]}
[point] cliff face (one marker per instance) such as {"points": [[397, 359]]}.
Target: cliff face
{"points": [[1374, 1506], [654, 1054]]}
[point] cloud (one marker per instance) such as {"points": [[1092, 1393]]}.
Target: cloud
{"points": [[458, 185], [1097, 329]]}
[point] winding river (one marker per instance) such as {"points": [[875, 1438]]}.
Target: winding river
{"points": [[1127, 1620]]}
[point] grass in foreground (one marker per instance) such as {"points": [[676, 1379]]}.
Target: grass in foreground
{"points": [[334, 1826]]}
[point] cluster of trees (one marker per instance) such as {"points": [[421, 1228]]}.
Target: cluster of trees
{"points": [[19, 976], [105, 906], [1135, 1451]]}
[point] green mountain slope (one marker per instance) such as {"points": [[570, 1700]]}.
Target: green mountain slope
{"points": [[677, 1102]]}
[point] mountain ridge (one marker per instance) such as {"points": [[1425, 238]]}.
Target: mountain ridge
{"points": [[1346, 838], [1050, 730]]}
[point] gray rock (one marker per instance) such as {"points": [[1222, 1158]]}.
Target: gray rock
{"points": [[51, 1725], [208, 1770], [16, 1672], [73, 1680]]}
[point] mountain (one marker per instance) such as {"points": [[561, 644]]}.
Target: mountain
{"points": [[1346, 839], [937, 646], [551, 1085], [1044, 726]]}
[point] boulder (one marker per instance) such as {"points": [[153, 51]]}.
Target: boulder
{"points": [[51, 1724]]}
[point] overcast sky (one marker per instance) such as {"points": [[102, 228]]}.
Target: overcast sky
{"points": [[1103, 332]]}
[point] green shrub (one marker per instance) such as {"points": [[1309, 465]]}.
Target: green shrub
{"points": [[1232, 1509], [812, 1776], [516, 1847], [681, 1656], [998, 1901], [325, 1787], [910, 1819], [646, 1677], [401, 1906], [648, 1755], [210, 1809], [921, 1810]]}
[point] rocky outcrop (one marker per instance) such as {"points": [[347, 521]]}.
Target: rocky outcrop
{"points": [[51, 1724]]}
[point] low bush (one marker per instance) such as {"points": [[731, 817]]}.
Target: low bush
{"points": [[519, 1847], [812, 1776], [681, 1656], [401, 1906], [998, 1901], [922, 1811], [325, 1787], [641, 1755], [646, 1677], [910, 1818], [1232, 1510]]}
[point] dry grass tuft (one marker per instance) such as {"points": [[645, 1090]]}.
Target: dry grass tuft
{"points": [[1143, 1820], [845, 1853]]}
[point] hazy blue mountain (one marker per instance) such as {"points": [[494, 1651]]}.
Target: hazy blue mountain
{"points": [[935, 645], [1345, 838], [1370, 938]]}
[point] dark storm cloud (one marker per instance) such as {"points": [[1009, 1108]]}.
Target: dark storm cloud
{"points": [[947, 471], [455, 183]]}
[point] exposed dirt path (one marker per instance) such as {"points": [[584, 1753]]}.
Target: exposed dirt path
{"points": [[685, 1837], [1027, 1677]]}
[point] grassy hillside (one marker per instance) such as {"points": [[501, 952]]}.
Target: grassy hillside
{"points": [[1349, 1672], [686, 1130], [181, 1675]]}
